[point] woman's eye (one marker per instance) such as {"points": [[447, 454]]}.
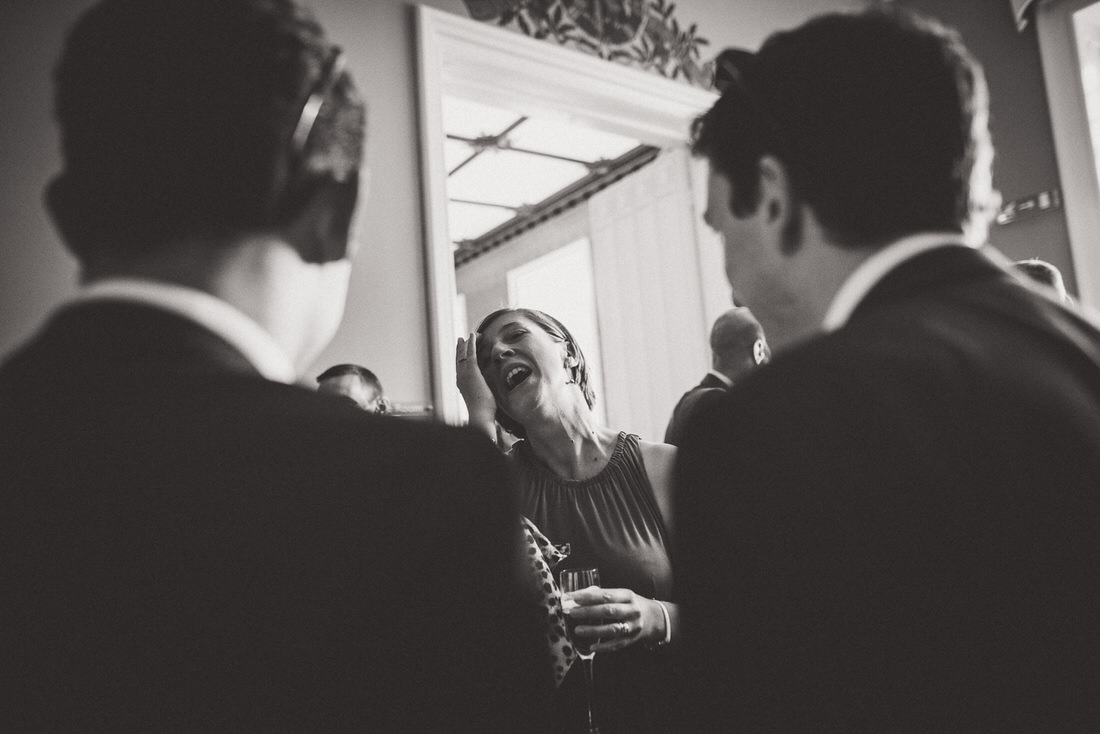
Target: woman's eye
{"points": [[517, 334]]}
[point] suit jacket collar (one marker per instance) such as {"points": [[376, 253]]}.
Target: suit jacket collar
{"points": [[712, 380], [124, 338], [929, 271], [876, 266], [205, 309]]}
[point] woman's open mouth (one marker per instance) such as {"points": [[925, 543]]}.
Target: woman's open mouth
{"points": [[515, 376]]}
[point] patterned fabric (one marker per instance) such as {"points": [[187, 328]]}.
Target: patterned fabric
{"points": [[543, 556]]}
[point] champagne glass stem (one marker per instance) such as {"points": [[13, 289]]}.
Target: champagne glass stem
{"points": [[589, 688], [575, 580]]}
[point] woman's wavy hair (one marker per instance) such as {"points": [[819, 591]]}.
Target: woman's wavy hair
{"points": [[556, 329]]}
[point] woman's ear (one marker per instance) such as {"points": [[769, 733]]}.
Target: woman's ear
{"points": [[570, 355]]}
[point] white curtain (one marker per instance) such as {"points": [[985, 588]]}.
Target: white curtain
{"points": [[653, 293]]}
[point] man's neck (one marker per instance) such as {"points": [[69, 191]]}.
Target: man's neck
{"points": [[215, 315], [261, 277], [815, 273]]}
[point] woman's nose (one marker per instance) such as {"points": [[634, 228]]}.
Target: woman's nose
{"points": [[500, 351]]}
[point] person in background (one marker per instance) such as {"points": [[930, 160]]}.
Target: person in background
{"points": [[1042, 272], [894, 526], [356, 384], [604, 493], [737, 346], [191, 541]]}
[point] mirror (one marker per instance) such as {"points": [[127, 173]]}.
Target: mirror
{"points": [[658, 280]]}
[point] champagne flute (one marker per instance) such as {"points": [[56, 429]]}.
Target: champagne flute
{"points": [[575, 579]]}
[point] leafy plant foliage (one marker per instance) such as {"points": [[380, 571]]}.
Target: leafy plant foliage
{"points": [[640, 33]]}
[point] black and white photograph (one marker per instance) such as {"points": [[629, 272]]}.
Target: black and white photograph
{"points": [[550, 366]]}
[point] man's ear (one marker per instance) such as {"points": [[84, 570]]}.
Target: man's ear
{"points": [[64, 205], [780, 203], [774, 188], [318, 217]]}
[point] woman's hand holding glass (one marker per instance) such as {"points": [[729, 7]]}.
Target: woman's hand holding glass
{"points": [[611, 619]]}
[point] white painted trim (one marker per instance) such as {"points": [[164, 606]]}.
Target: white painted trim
{"points": [[480, 61], [1080, 190], [439, 263]]}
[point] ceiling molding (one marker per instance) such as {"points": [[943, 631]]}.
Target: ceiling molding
{"points": [[554, 205]]}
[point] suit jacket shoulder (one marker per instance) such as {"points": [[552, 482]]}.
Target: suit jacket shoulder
{"points": [[859, 522], [708, 391], [198, 549]]}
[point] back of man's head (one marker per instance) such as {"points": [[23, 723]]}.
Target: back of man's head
{"points": [[178, 121], [880, 118], [737, 343], [1046, 274], [355, 383]]}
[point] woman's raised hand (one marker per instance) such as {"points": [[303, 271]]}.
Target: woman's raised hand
{"points": [[480, 403]]}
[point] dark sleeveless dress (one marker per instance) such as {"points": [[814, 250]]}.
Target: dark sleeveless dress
{"points": [[611, 522]]}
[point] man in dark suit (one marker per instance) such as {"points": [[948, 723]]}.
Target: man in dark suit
{"points": [[737, 346], [895, 524], [190, 542]]}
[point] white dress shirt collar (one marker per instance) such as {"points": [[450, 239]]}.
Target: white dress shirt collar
{"points": [[725, 380], [210, 312], [869, 272]]}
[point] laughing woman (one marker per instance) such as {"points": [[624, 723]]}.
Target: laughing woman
{"points": [[604, 492]]}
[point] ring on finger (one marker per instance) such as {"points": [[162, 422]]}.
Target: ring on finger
{"points": [[623, 628]]}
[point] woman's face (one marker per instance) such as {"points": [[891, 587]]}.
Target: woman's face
{"points": [[521, 362]]}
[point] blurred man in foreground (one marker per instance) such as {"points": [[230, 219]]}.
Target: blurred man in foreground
{"points": [[894, 526], [191, 543]]}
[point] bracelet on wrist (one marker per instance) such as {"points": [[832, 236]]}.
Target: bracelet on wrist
{"points": [[668, 626]]}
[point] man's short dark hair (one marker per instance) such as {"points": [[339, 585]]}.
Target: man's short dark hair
{"points": [[878, 117], [339, 370], [177, 118]]}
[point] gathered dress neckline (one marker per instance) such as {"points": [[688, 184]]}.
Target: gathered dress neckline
{"points": [[614, 461]]}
